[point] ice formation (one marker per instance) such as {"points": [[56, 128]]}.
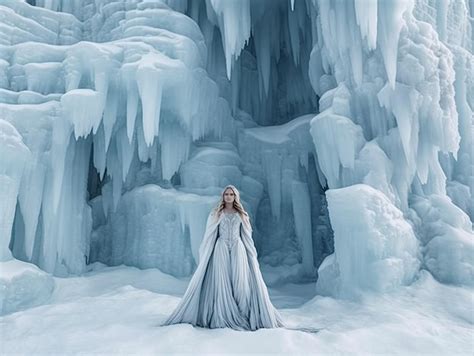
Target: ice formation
{"points": [[376, 248], [397, 121], [121, 121], [23, 286]]}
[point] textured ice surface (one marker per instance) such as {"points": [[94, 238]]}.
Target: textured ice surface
{"points": [[121, 121], [23, 285], [374, 247]]}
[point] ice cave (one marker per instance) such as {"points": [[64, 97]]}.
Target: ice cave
{"points": [[346, 125]]}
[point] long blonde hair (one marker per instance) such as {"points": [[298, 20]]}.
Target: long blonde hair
{"points": [[218, 210]]}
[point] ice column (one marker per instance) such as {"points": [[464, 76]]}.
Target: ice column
{"points": [[13, 156]]}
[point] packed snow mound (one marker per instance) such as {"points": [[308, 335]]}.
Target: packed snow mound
{"points": [[375, 248], [23, 285]]}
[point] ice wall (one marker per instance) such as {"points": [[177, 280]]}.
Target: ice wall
{"points": [[13, 155], [397, 117], [127, 86], [123, 100], [152, 227], [453, 23], [120, 101], [282, 158], [395, 87]]}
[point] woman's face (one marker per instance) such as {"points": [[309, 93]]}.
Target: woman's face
{"points": [[229, 196]]}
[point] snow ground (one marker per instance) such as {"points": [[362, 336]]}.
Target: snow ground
{"points": [[118, 310]]}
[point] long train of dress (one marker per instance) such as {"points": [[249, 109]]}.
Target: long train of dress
{"points": [[225, 294]]}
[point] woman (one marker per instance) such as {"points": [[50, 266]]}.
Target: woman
{"points": [[227, 288]]}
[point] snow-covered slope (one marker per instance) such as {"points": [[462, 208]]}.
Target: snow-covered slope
{"points": [[119, 310]]}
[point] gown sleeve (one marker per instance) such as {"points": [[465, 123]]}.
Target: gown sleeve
{"points": [[262, 312], [246, 236], [188, 307], [209, 236]]}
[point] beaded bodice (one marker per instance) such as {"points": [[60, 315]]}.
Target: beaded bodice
{"points": [[229, 228]]}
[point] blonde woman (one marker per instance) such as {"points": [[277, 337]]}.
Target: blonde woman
{"points": [[227, 288]]}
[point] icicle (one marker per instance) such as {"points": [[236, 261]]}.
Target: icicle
{"points": [[263, 50], [110, 113], [99, 151], [132, 105], [74, 221], [390, 21], [125, 150], [83, 108], [13, 156], [150, 87], [272, 166], [403, 103], [31, 194], [175, 145], [302, 215], [293, 30], [114, 167], [366, 16], [62, 130], [234, 23], [143, 148]]}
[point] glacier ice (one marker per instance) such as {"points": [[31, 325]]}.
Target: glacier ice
{"points": [[120, 121]]}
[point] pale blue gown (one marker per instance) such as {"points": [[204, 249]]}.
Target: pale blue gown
{"points": [[227, 289], [225, 293]]}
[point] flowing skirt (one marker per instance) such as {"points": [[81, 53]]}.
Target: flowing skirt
{"points": [[225, 293]]}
